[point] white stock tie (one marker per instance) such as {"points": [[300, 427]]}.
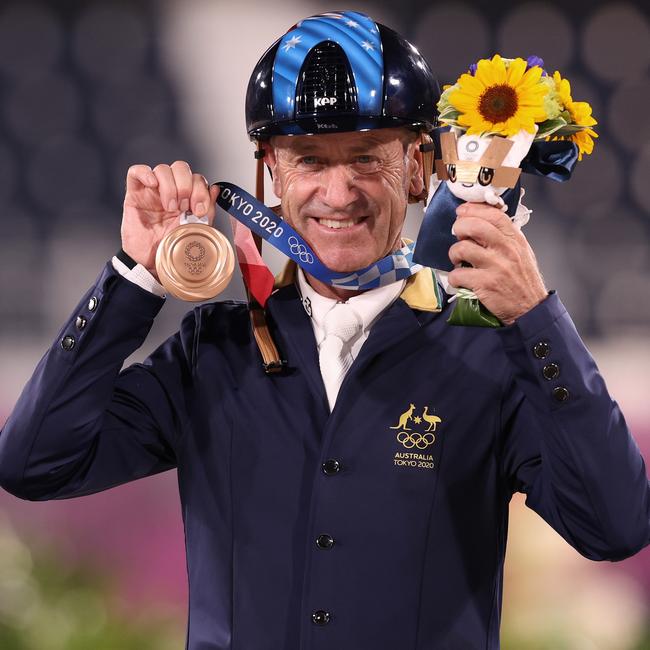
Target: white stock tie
{"points": [[340, 325]]}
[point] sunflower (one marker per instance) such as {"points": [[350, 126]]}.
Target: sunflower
{"points": [[580, 114], [500, 99]]}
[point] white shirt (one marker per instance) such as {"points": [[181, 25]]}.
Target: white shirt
{"points": [[140, 276], [368, 306]]}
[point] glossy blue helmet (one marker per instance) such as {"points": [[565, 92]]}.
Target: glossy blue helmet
{"points": [[340, 71]]}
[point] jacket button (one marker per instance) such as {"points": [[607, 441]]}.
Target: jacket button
{"points": [[541, 349], [331, 466], [325, 541], [67, 343], [80, 322], [92, 303], [320, 617], [561, 394], [551, 371]]}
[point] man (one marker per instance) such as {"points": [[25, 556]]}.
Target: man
{"points": [[333, 505]]}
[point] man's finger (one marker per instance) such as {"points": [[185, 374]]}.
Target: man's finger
{"points": [[183, 180], [481, 231], [139, 175], [468, 250], [212, 210], [489, 213], [464, 276], [167, 188], [481, 281], [200, 198]]}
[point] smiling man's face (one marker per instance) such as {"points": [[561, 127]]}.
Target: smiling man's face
{"points": [[347, 193]]}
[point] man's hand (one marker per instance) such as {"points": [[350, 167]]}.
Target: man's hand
{"points": [[153, 202], [504, 273]]}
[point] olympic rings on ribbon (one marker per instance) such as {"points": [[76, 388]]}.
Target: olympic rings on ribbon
{"points": [[410, 440], [299, 249]]}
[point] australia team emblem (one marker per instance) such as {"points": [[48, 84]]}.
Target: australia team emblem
{"points": [[415, 432]]}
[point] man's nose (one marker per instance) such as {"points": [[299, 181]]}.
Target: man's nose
{"points": [[338, 189]]}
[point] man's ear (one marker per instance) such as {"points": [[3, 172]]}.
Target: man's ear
{"points": [[416, 181], [271, 161]]}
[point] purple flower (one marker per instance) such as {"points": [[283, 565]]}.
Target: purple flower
{"points": [[472, 69], [533, 60]]}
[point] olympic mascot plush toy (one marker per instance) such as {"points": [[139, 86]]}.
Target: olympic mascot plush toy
{"points": [[500, 118]]}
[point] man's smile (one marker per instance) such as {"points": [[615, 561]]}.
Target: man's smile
{"points": [[338, 224]]}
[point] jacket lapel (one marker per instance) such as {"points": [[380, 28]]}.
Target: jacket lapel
{"points": [[420, 301], [293, 328], [396, 323]]}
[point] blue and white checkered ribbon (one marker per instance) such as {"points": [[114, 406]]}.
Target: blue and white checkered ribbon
{"points": [[262, 220]]}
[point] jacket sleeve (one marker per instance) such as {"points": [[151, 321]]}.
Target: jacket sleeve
{"points": [[564, 441], [81, 425]]}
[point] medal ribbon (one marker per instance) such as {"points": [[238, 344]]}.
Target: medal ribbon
{"points": [[262, 220], [256, 274]]}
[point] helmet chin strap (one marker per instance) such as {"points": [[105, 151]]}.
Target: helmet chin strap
{"points": [[427, 149], [270, 356]]}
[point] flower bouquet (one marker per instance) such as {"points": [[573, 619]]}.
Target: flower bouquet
{"points": [[500, 118]]}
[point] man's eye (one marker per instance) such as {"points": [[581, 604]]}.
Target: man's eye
{"points": [[366, 163], [309, 160]]}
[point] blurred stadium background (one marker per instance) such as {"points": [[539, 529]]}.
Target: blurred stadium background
{"points": [[88, 88]]}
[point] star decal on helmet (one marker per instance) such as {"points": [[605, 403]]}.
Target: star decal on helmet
{"points": [[291, 43]]}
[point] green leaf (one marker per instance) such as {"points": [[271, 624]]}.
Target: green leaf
{"points": [[449, 113], [571, 129], [549, 127]]}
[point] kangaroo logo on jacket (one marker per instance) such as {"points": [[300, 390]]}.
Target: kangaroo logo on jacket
{"points": [[418, 440]]}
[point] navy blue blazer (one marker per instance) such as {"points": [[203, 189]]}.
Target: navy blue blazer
{"points": [[381, 525]]}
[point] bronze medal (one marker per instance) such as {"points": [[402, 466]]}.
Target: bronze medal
{"points": [[195, 262]]}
